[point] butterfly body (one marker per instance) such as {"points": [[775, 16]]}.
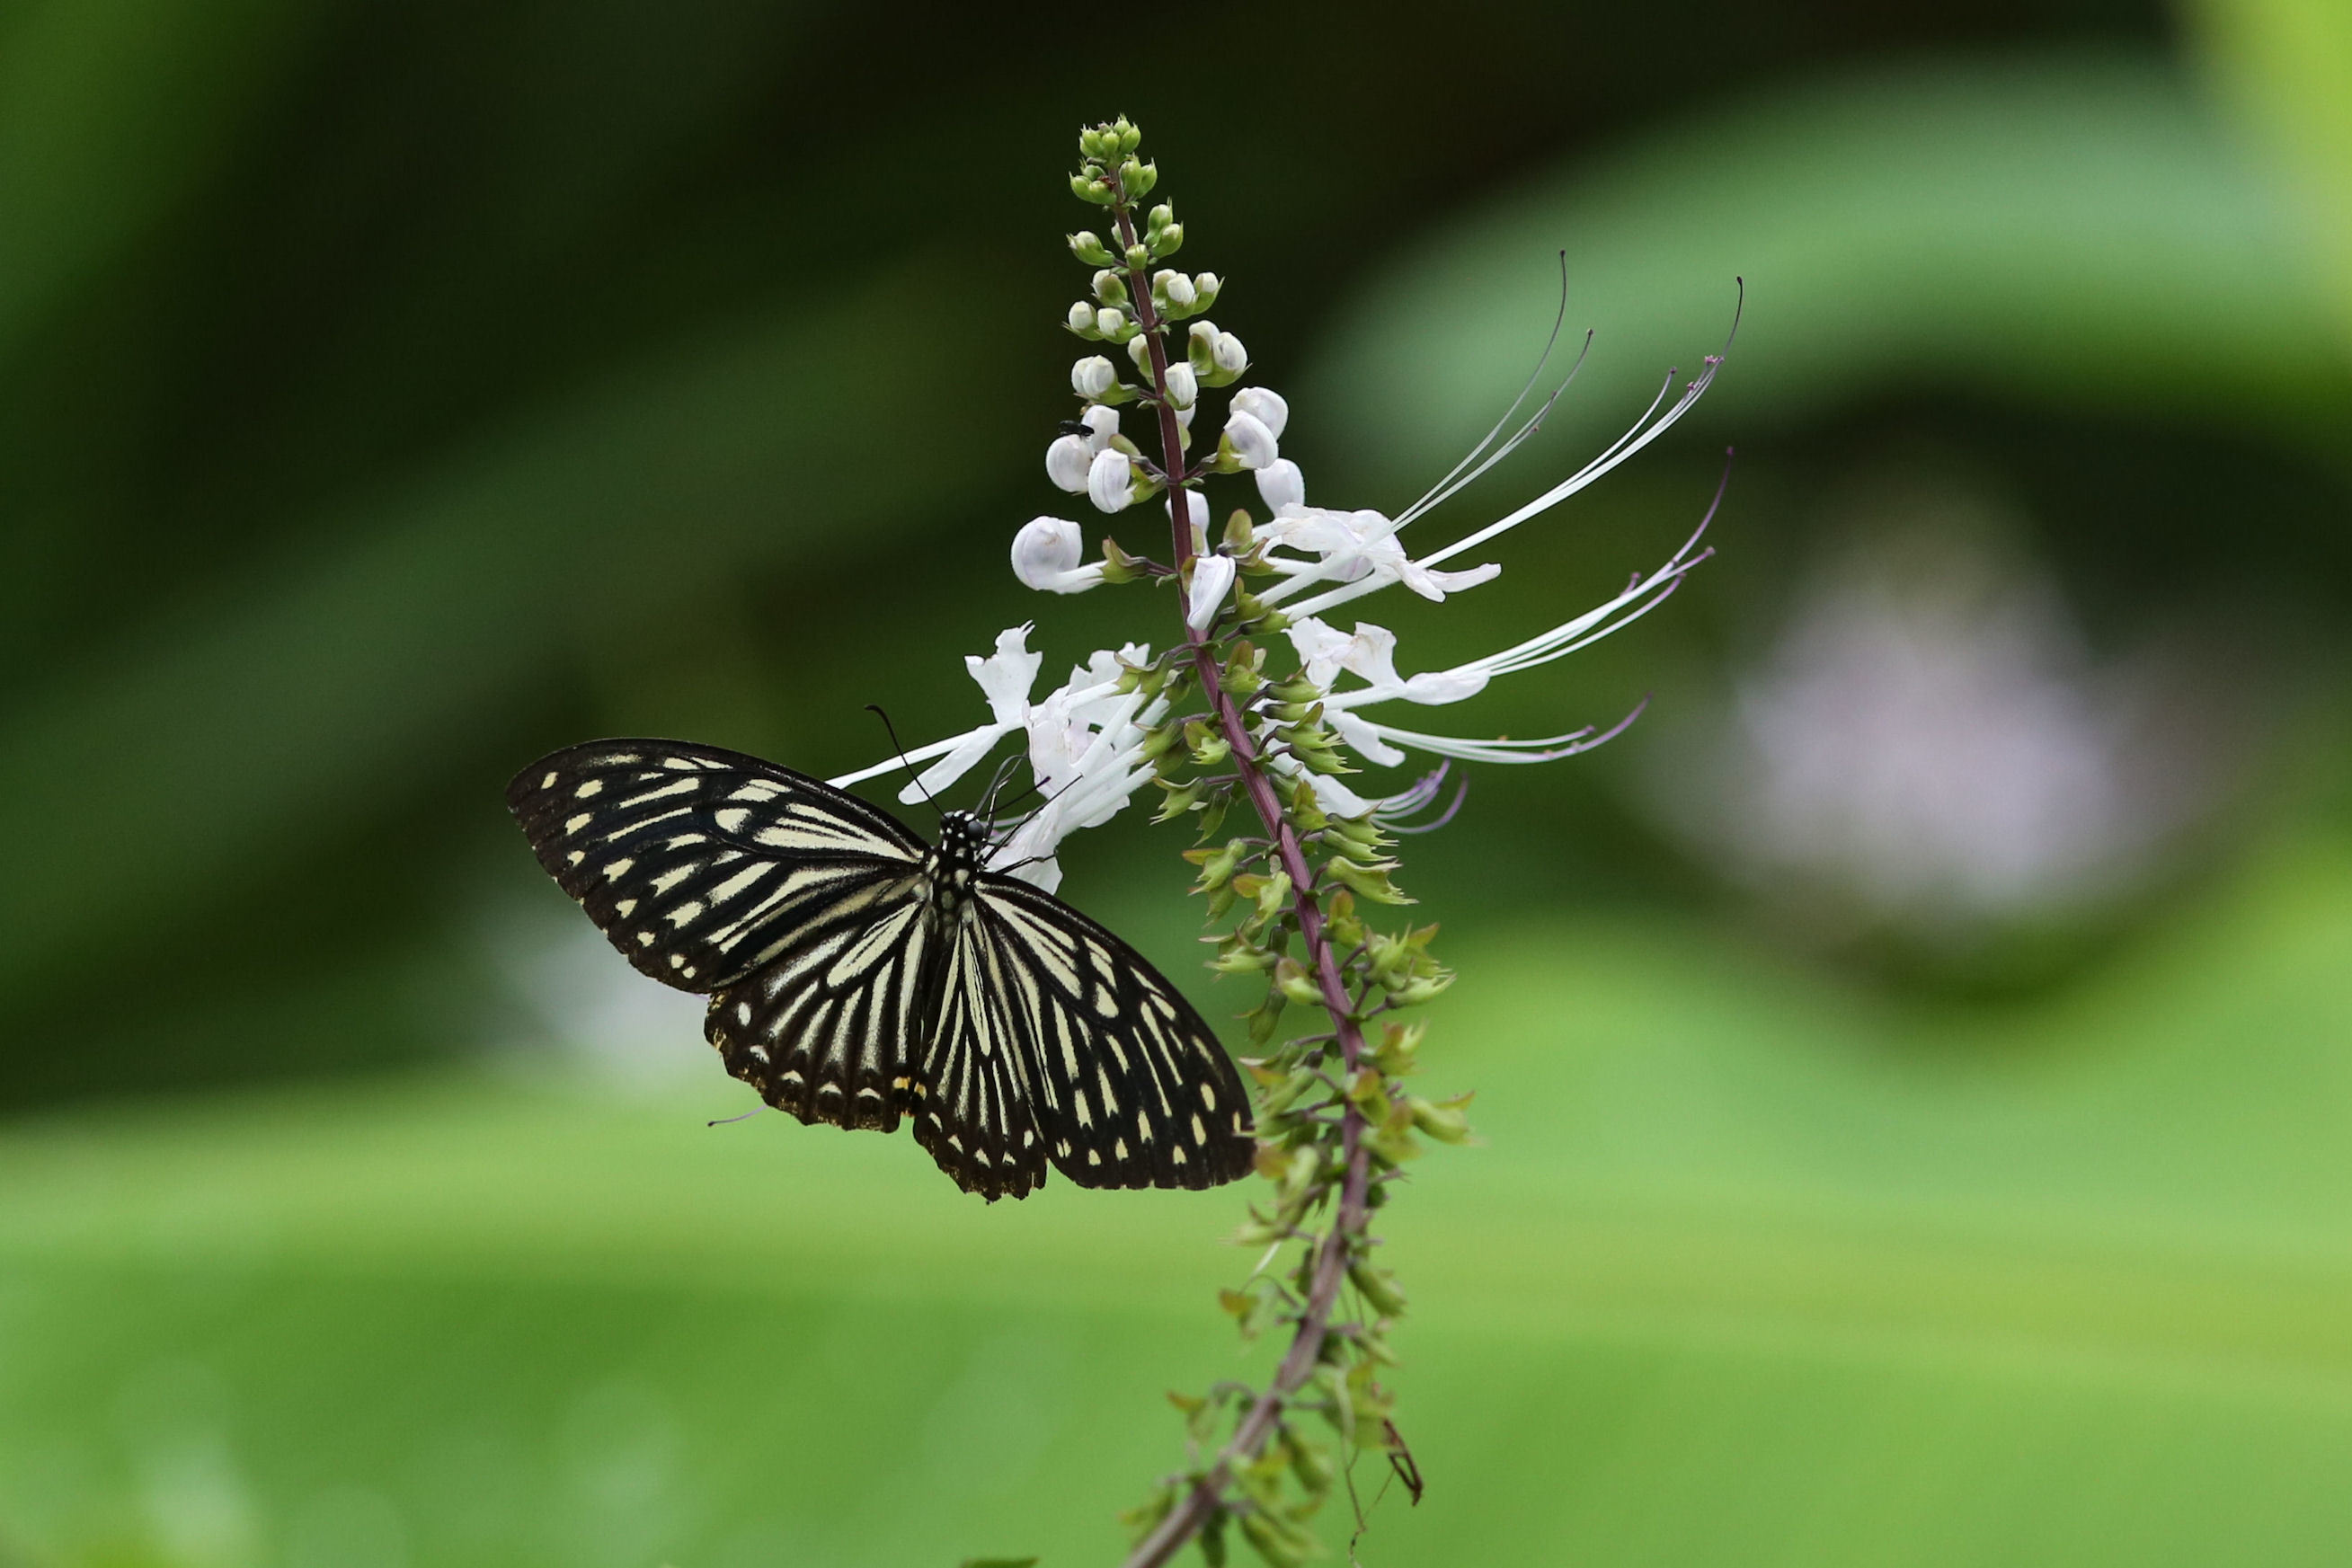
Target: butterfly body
{"points": [[858, 976]]}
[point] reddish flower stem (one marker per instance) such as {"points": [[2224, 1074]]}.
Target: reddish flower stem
{"points": [[1201, 1501]]}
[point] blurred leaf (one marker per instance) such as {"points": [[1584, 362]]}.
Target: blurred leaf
{"points": [[386, 648], [1745, 1272], [2288, 63], [112, 113], [2067, 230]]}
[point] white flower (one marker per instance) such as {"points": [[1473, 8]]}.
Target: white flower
{"points": [[1183, 386], [1357, 548], [1082, 317], [1212, 577], [1066, 462], [1230, 356], [1093, 376], [1109, 486], [1252, 442], [1110, 320], [1102, 422], [1045, 555], [1177, 287], [1280, 484], [1266, 407]]}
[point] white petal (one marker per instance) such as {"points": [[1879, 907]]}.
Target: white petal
{"points": [[1252, 442], [1279, 482], [1107, 482], [1005, 676], [1365, 736], [1183, 386], [1066, 462], [1267, 407], [1213, 578], [1102, 422], [1090, 378], [1228, 355], [1046, 554]]}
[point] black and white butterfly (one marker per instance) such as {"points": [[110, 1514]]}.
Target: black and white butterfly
{"points": [[857, 975]]}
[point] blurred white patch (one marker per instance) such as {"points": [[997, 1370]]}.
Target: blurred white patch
{"points": [[198, 1508], [579, 997], [1930, 746]]}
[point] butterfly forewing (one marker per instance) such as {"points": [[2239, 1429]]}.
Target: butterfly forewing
{"points": [[699, 865], [1130, 1085]]}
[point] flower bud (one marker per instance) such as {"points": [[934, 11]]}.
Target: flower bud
{"points": [[1174, 288], [1279, 482], [1137, 178], [1087, 246], [1082, 319], [1066, 462], [1196, 512], [1266, 407], [1184, 415], [1108, 485], [1138, 348], [1229, 354], [1183, 386], [1099, 142], [1167, 241], [1103, 421], [1045, 555], [1091, 378], [1087, 188], [1110, 321], [1158, 218], [1110, 288], [1213, 579], [1130, 138], [1206, 284], [1139, 255], [1250, 441]]}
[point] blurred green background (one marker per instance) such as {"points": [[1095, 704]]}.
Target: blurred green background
{"points": [[1914, 1064]]}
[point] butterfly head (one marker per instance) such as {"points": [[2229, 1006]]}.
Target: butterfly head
{"points": [[963, 841]]}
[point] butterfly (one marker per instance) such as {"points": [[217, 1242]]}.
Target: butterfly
{"points": [[859, 975]]}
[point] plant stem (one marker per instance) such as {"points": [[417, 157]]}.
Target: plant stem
{"points": [[1201, 1502]]}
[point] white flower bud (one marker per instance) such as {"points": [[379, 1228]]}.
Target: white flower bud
{"points": [[1196, 507], [1253, 444], [1110, 288], [1177, 287], [1183, 386], [1082, 317], [1045, 557], [1067, 461], [1103, 421], [1184, 416], [1279, 482], [1090, 378], [1109, 486], [1229, 354], [1213, 578], [1205, 286], [1110, 320], [1266, 407]]}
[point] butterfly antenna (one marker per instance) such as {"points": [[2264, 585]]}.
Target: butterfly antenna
{"points": [[892, 731], [729, 1121]]}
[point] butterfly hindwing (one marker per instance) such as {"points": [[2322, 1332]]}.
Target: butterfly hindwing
{"points": [[700, 864], [974, 1110], [829, 1029], [1129, 1086]]}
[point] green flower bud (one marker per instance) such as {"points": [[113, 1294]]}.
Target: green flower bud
{"points": [[1087, 246], [1167, 242], [1445, 1122], [1110, 288], [1158, 218], [1089, 189], [1137, 178], [1139, 255], [1129, 137], [1296, 985]]}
